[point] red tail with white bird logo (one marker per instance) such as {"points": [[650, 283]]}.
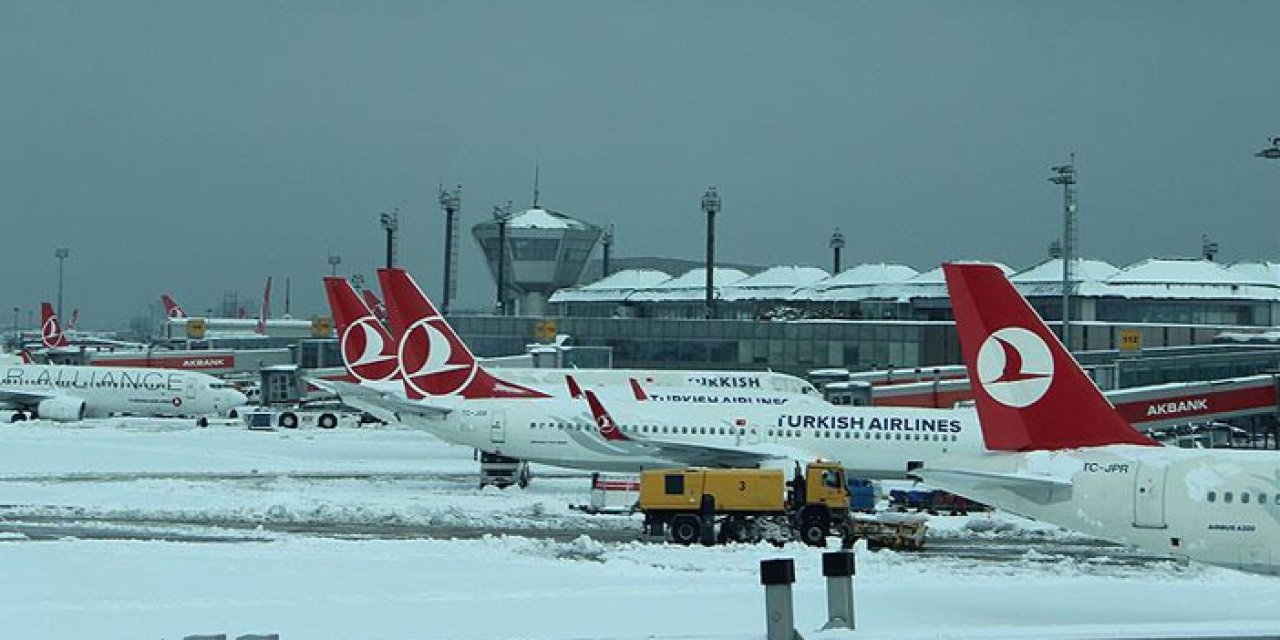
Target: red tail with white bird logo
{"points": [[375, 305], [368, 350], [1031, 394], [51, 335], [171, 308], [433, 359], [607, 426]]}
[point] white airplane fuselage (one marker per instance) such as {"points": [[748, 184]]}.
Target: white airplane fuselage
{"points": [[69, 391], [874, 442], [1213, 506]]}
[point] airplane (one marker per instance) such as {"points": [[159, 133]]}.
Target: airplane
{"points": [[240, 326], [448, 393], [1059, 452], [67, 393]]}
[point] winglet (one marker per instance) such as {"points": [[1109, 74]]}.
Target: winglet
{"points": [[575, 391], [607, 426], [1031, 393], [26, 357], [638, 391]]}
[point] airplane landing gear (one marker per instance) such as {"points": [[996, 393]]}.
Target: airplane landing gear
{"points": [[18, 416]]}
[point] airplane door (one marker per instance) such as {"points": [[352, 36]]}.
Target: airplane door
{"points": [[1148, 496], [498, 427], [189, 385]]}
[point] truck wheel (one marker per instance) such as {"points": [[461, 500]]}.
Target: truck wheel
{"points": [[813, 533], [18, 416], [202, 422], [686, 529], [289, 420], [327, 421]]}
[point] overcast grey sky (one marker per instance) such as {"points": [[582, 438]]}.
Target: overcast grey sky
{"points": [[199, 147]]}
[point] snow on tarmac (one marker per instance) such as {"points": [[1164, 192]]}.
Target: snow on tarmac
{"points": [[307, 586]]}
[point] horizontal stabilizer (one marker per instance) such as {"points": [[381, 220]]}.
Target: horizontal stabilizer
{"points": [[977, 484]]}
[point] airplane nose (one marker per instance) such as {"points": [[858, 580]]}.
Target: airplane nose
{"points": [[238, 399]]}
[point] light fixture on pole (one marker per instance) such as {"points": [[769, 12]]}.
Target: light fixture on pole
{"points": [[451, 202], [1066, 176], [501, 215], [837, 243], [391, 224], [1272, 152], [711, 206], [606, 244], [334, 261], [61, 253]]}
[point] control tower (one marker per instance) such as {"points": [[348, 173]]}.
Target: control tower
{"points": [[545, 250]]}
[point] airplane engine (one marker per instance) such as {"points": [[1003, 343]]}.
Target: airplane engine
{"points": [[61, 409]]}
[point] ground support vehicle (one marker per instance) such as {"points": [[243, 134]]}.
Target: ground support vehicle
{"points": [[933, 502], [897, 531], [612, 493], [746, 505], [502, 472], [294, 417]]}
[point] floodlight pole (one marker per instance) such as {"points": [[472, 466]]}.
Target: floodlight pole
{"points": [[1066, 176], [61, 254], [711, 206]]}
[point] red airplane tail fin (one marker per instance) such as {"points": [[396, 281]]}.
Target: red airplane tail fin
{"points": [[171, 308], [368, 350], [75, 319], [1031, 394], [607, 426], [51, 335], [433, 359], [26, 357], [265, 311]]}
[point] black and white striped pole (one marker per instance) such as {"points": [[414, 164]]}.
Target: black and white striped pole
{"points": [[777, 576], [838, 568]]}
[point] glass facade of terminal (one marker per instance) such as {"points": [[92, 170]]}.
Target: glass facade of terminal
{"points": [[791, 347]]}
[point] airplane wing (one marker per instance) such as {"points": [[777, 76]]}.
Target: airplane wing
{"points": [[1040, 489], [686, 453], [22, 398], [383, 405]]}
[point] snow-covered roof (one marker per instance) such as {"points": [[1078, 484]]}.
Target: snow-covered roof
{"points": [[853, 283], [776, 283], [1045, 279], [1185, 278], [1254, 271], [614, 288], [690, 286], [541, 218]]}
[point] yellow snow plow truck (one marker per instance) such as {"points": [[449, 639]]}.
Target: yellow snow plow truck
{"points": [[746, 505]]}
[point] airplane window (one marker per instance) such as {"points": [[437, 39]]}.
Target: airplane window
{"points": [[1226, 497], [770, 432], [1278, 498], [1244, 498], [1213, 496], [1262, 498]]}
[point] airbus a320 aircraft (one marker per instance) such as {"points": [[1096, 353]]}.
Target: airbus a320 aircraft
{"points": [[1060, 453], [448, 393]]}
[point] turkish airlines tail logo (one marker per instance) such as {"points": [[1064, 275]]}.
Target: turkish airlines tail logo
{"points": [[51, 334], [433, 359], [1031, 394], [368, 350], [171, 308]]}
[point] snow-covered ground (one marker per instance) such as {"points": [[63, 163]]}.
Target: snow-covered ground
{"points": [[146, 529]]}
